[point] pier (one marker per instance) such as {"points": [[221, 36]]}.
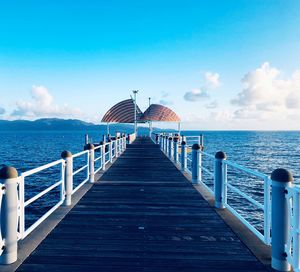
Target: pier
{"points": [[144, 209], [142, 215]]}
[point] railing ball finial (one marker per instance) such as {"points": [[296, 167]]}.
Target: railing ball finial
{"points": [[8, 172], [196, 147], [282, 175], [89, 146], [66, 154], [221, 155]]}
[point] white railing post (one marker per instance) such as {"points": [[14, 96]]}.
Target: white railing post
{"points": [[90, 148], [220, 177], [124, 142], [67, 156], [196, 176], [110, 151], [103, 156], [183, 156], [296, 227], [160, 142], [175, 154], [156, 139], [267, 211], [281, 181], [9, 214], [166, 144], [170, 145], [202, 140], [117, 147]]}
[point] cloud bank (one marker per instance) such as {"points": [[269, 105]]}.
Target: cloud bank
{"points": [[212, 81], [196, 95], [265, 94], [42, 105]]}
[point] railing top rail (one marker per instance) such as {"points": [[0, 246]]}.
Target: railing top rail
{"points": [[245, 169], [80, 153], [41, 168]]}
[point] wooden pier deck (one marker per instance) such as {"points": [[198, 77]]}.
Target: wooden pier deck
{"points": [[142, 215]]}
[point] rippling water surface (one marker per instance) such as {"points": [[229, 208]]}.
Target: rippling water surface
{"points": [[257, 150]]}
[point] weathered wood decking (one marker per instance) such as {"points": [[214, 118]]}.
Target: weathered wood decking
{"points": [[142, 215]]}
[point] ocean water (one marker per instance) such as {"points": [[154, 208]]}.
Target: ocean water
{"points": [[258, 150]]}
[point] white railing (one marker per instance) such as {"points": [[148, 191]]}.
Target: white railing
{"points": [[24, 203], [98, 149], [85, 168], [64, 183], [265, 207], [227, 185], [292, 247]]}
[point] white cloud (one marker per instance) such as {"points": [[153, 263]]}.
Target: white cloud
{"points": [[196, 95], [165, 102], [212, 105], [266, 95], [42, 105], [212, 80], [2, 110], [165, 99]]}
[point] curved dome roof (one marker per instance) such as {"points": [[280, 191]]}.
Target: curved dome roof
{"points": [[160, 113], [123, 112]]}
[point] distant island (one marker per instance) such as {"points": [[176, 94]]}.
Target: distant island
{"points": [[50, 124]]}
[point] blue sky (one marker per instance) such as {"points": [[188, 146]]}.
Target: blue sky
{"points": [[218, 64]]}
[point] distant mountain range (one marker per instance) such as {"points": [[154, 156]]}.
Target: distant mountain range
{"points": [[63, 124]]}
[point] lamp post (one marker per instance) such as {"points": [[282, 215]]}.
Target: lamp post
{"points": [[135, 124]]}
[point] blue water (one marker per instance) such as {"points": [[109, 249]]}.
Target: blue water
{"points": [[257, 150]]}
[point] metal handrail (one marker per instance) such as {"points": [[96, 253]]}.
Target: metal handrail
{"points": [[22, 203], [267, 196], [86, 166]]}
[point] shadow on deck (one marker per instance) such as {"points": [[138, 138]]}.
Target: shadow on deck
{"points": [[142, 215]]}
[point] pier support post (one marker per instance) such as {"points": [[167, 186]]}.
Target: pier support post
{"points": [[220, 176], [175, 154], [183, 156], [281, 181], [67, 156], [196, 159], [90, 148], [9, 214], [170, 147]]}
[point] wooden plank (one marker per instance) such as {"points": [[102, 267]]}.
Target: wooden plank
{"points": [[142, 215]]}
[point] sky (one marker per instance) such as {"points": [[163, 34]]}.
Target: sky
{"points": [[220, 65]]}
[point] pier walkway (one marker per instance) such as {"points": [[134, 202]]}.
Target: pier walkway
{"points": [[142, 215]]}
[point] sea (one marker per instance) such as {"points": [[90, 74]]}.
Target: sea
{"points": [[262, 151]]}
